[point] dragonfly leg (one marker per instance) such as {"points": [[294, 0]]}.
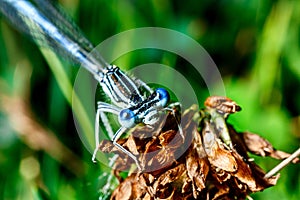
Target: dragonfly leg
{"points": [[101, 109]]}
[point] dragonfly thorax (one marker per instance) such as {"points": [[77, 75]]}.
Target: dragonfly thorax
{"points": [[121, 89]]}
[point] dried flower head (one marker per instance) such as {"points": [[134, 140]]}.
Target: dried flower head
{"points": [[211, 163]]}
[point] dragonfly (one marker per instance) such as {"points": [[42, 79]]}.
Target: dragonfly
{"points": [[133, 101]]}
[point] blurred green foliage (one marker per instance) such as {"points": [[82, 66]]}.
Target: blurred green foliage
{"points": [[255, 44]]}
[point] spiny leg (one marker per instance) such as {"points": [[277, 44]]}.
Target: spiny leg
{"points": [[107, 125], [103, 107]]}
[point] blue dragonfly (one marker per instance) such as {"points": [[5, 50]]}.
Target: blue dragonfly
{"points": [[49, 26]]}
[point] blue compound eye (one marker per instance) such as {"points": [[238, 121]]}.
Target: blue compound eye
{"points": [[127, 118], [164, 96]]}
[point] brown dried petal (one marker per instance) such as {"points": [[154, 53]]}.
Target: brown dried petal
{"points": [[107, 146], [260, 146], [131, 145], [123, 162], [244, 173], [221, 190], [146, 179], [257, 144], [126, 191], [238, 142], [168, 139], [159, 159], [218, 156], [152, 146], [220, 175], [169, 176], [222, 104], [197, 170], [262, 182]]}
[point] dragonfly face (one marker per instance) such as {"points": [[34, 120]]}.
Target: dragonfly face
{"points": [[148, 110]]}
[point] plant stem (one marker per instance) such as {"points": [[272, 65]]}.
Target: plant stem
{"points": [[283, 164]]}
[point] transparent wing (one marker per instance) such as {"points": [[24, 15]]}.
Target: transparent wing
{"points": [[50, 26], [55, 13]]}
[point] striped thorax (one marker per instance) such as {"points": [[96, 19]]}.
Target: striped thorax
{"points": [[121, 89]]}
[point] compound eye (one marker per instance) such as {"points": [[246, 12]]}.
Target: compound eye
{"points": [[127, 118], [163, 96]]}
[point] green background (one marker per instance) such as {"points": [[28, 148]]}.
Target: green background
{"points": [[255, 44]]}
